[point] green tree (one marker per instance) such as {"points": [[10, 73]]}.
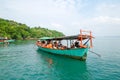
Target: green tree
{"points": [[14, 30]]}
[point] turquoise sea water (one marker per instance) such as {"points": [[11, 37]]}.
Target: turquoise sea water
{"points": [[22, 61]]}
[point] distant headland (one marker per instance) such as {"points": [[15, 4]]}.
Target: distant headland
{"points": [[14, 30]]}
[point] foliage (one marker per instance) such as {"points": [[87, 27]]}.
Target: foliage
{"points": [[14, 30]]}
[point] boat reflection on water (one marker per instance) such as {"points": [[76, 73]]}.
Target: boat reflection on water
{"points": [[65, 68]]}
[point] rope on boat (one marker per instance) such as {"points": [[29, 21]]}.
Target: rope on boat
{"points": [[86, 42], [95, 53]]}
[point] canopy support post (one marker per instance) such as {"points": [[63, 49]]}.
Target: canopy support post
{"points": [[91, 39], [81, 38], [67, 43]]}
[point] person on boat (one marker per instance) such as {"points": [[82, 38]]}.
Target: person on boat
{"points": [[83, 46], [43, 44], [59, 45], [38, 43], [77, 44], [49, 45], [62, 47], [72, 45], [55, 45]]}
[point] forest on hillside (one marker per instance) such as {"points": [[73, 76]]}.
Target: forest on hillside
{"points": [[14, 30]]}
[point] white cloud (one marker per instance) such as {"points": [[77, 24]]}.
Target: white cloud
{"points": [[56, 25], [106, 9], [67, 16], [106, 19]]}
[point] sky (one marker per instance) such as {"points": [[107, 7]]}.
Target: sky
{"points": [[102, 17]]}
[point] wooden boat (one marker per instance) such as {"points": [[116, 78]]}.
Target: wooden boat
{"points": [[5, 40], [76, 52]]}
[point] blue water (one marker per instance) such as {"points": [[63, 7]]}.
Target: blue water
{"points": [[23, 61]]}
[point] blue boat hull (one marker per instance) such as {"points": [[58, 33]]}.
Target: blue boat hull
{"points": [[77, 53]]}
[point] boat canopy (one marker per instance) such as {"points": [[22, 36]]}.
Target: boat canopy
{"points": [[46, 38], [66, 37]]}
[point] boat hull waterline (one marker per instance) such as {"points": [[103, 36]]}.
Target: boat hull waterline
{"points": [[76, 53]]}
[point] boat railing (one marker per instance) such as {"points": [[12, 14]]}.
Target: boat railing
{"points": [[83, 35]]}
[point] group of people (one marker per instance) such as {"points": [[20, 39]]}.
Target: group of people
{"points": [[57, 45], [50, 44]]}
